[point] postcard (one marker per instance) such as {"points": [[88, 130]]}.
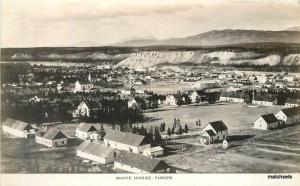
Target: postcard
{"points": [[128, 92]]}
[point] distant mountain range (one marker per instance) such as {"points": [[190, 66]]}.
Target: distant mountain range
{"points": [[223, 37]]}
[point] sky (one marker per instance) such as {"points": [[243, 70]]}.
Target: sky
{"points": [[41, 23]]}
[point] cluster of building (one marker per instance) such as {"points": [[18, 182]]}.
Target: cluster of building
{"points": [[286, 116], [126, 151]]}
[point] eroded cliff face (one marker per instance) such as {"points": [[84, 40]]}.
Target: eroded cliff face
{"points": [[148, 59], [73, 56], [154, 58], [292, 59]]}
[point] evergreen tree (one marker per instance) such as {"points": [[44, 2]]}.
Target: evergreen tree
{"points": [[157, 135], [102, 132], [186, 129], [169, 132], [173, 130]]}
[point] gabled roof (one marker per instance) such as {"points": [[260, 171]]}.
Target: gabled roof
{"points": [[16, 124], [291, 111], [140, 161], [218, 125], [51, 133], [269, 118], [95, 149], [87, 127], [126, 138], [210, 133]]}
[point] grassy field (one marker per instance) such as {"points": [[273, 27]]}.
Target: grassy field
{"points": [[235, 116]]}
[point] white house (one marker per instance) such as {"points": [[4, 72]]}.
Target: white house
{"points": [[266, 122], [85, 109], [17, 128], [82, 86], [96, 152], [194, 96], [51, 137], [136, 163], [289, 115], [170, 100], [292, 103], [213, 132], [126, 141], [84, 131]]}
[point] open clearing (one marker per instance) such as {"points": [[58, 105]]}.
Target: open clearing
{"points": [[235, 116]]}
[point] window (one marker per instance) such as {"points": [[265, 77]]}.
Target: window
{"points": [[62, 142]]}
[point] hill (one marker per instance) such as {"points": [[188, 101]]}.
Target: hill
{"points": [[222, 37]]}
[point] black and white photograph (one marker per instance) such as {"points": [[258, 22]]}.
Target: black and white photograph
{"points": [[134, 87]]}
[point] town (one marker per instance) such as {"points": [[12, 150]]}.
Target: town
{"points": [[160, 119]]}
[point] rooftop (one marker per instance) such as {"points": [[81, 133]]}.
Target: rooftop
{"points": [[291, 111], [51, 133], [16, 124], [87, 127], [218, 125], [269, 118], [95, 149], [141, 162], [126, 138]]}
